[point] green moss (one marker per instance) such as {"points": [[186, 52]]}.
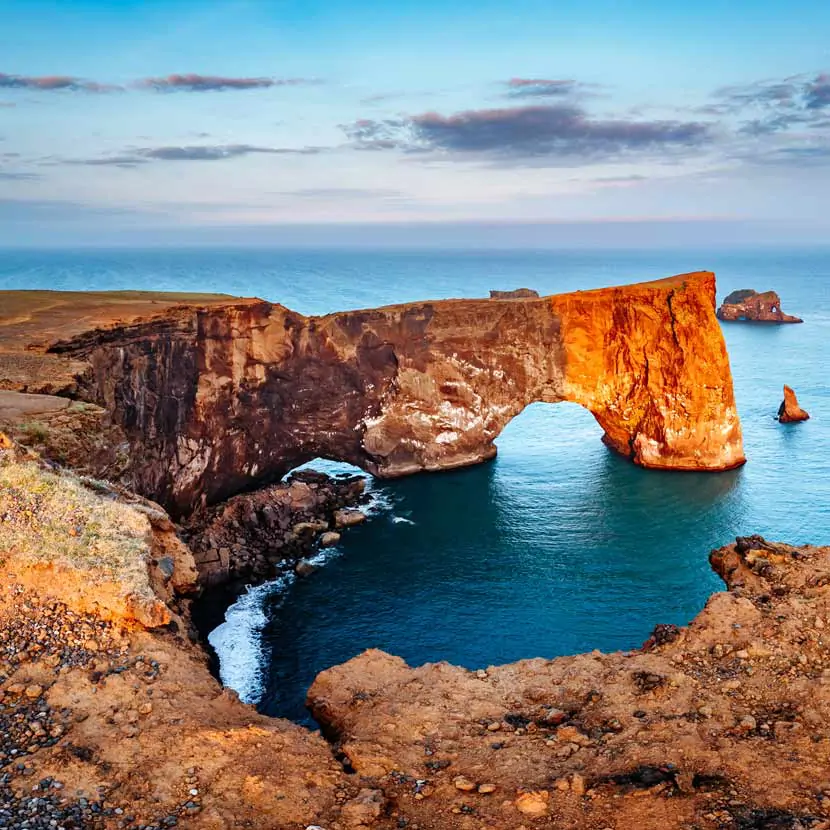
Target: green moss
{"points": [[55, 518], [35, 431]]}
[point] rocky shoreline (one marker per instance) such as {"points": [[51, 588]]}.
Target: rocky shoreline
{"points": [[109, 722], [257, 536], [110, 717]]}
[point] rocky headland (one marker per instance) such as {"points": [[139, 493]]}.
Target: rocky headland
{"points": [[109, 715], [218, 395], [748, 305]]}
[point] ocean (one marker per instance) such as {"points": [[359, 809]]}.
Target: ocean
{"points": [[558, 545]]}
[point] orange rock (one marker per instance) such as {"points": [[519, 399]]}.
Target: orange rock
{"points": [[790, 411], [534, 803]]}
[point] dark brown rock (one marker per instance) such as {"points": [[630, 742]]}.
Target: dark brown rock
{"points": [[516, 294], [748, 305]]}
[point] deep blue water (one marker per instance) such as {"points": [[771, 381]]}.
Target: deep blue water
{"points": [[558, 545]]}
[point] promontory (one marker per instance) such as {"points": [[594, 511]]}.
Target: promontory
{"points": [[216, 394]]}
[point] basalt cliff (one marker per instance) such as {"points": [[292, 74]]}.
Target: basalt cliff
{"points": [[215, 395], [109, 717]]}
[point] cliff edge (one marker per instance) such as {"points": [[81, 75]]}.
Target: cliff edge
{"points": [[218, 395]]}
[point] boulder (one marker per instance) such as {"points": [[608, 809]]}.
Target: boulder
{"points": [[348, 518], [304, 568], [790, 411], [516, 294]]}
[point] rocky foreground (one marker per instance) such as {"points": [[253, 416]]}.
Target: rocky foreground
{"points": [[109, 717]]}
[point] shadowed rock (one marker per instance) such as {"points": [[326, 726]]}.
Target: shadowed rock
{"points": [[516, 294]]}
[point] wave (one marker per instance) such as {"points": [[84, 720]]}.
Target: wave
{"points": [[238, 641], [243, 662]]}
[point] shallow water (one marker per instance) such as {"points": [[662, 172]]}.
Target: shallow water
{"points": [[557, 545]]}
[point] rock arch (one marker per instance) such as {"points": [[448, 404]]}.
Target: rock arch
{"points": [[220, 398]]}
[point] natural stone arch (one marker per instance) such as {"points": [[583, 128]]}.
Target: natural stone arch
{"points": [[222, 398]]}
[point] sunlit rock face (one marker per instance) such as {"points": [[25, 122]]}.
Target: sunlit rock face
{"points": [[220, 398]]}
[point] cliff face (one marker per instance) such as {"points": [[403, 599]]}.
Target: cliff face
{"points": [[746, 304], [217, 398]]}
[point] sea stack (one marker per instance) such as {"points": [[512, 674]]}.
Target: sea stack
{"points": [[790, 412], [748, 305]]}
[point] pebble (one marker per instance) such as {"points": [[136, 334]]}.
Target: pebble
{"points": [[464, 784], [747, 723], [533, 803]]}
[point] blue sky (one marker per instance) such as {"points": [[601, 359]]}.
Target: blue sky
{"points": [[181, 120]]}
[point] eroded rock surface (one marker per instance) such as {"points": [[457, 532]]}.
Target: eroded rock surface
{"points": [[790, 411], [747, 304], [110, 719], [515, 294], [216, 398], [724, 724], [255, 536]]}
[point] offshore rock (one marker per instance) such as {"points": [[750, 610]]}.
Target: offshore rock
{"points": [[748, 305], [790, 411], [218, 395]]}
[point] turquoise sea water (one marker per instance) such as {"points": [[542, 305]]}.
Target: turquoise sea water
{"points": [[558, 545]]}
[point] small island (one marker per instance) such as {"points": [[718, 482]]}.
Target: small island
{"points": [[748, 305]]}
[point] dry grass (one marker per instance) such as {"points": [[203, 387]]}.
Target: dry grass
{"points": [[47, 517]]}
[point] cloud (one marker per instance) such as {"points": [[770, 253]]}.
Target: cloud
{"points": [[10, 176], [343, 193], [7, 104], [561, 133], [216, 83], [53, 83], [196, 152], [764, 94], [107, 161], [171, 83], [542, 88], [817, 92], [218, 152], [775, 105], [812, 154]]}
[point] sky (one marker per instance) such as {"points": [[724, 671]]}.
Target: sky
{"points": [[257, 120]]}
